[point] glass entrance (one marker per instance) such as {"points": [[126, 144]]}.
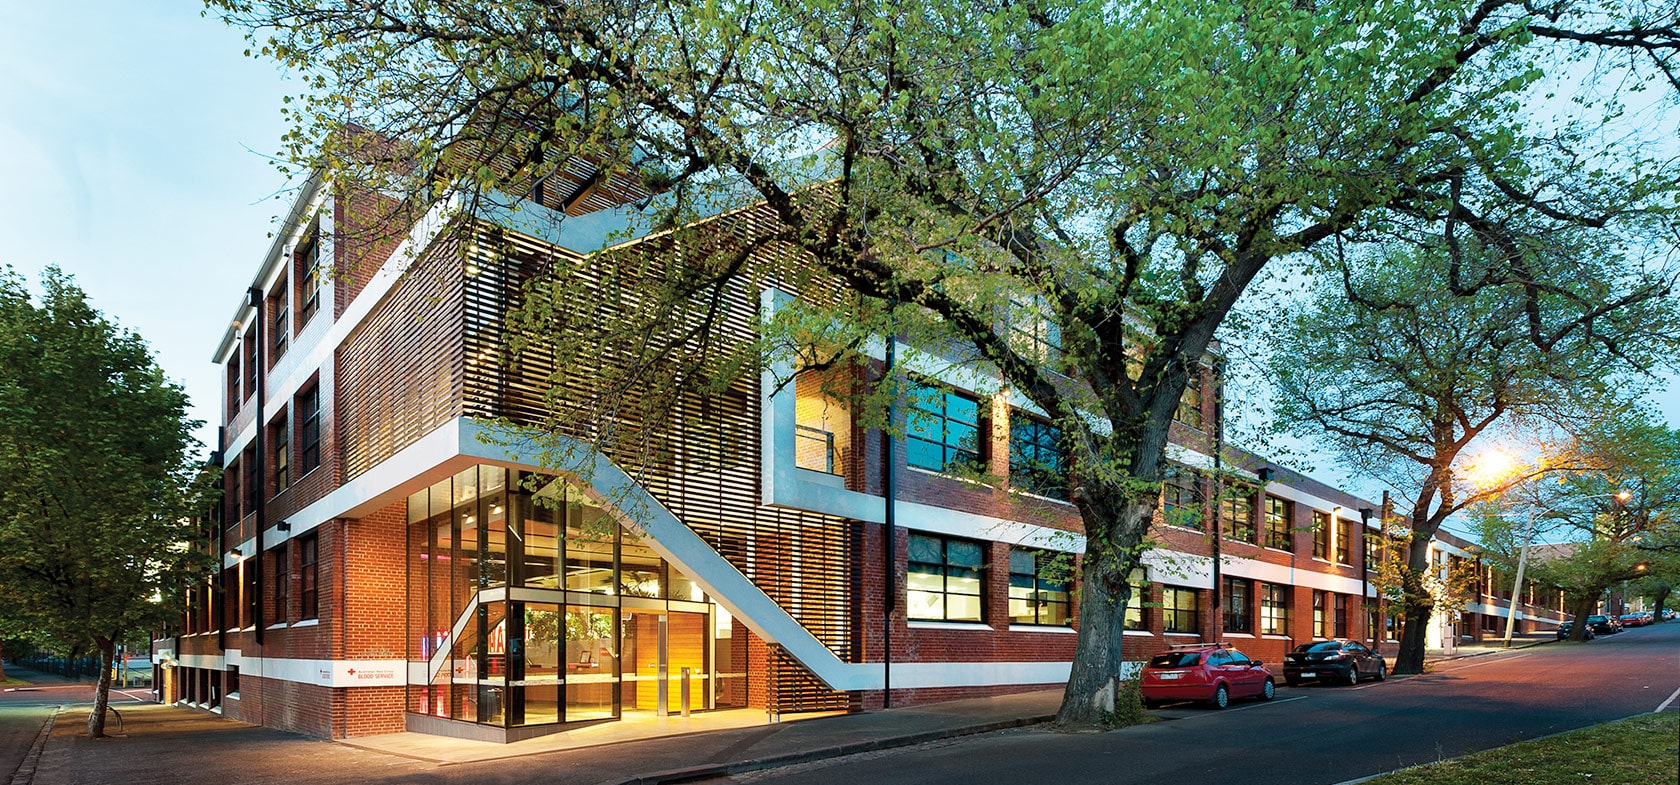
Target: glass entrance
{"points": [[658, 644]]}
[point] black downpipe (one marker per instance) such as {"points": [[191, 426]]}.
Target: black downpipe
{"points": [[1218, 493], [260, 471], [890, 520], [221, 526], [1364, 563]]}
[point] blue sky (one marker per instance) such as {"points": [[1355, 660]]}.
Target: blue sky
{"points": [[133, 138]]}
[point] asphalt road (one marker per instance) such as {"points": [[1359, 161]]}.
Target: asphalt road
{"points": [[24, 709], [1311, 734]]}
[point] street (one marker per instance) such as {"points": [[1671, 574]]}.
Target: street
{"points": [[1312, 734]]}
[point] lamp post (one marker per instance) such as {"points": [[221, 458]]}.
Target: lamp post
{"points": [[1522, 563]]}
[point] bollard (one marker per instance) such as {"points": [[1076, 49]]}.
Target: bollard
{"points": [[685, 682]]}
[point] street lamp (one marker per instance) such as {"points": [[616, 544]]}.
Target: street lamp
{"points": [[1522, 561]]}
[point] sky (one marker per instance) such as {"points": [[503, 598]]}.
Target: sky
{"points": [[134, 137]]}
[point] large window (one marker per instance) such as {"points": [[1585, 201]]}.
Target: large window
{"points": [[1278, 513], [943, 431], [306, 268], [1274, 609], [308, 573], [1038, 587], [1344, 541], [1373, 551], [1032, 332], [1321, 535], [1338, 604], [282, 582], [1035, 457], [280, 434], [1139, 586], [280, 327], [1190, 405], [249, 590], [309, 429], [1236, 600], [233, 480], [251, 482], [1320, 617], [945, 580], [1181, 498], [1236, 513], [1179, 612]]}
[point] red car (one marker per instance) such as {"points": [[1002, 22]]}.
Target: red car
{"points": [[1209, 672], [1633, 620]]}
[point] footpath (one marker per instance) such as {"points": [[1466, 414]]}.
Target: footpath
{"points": [[187, 746]]}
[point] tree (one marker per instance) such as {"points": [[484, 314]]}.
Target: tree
{"points": [[99, 489], [1416, 376], [1123, 170]]}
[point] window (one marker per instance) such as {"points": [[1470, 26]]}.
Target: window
{"points": [[1038, 587], [1181, 498], [252, 482], [309, 429], [944, 581], [251, 362], [281, 436], [1344, 541], [250, 590], [1274, 609], [233, 480], [1035, 457], [233, 399], [1190, 404], [1321, 535], [1031, 330], [1134, 601], [1338, 604], [1319, 630], [1373, 551], [307, 573], [1278, 514], [282, 583], [231, 677], [943, 431], [280, 326], [1236, 511], [1178, 610], [1236, 600], [306, 268]]}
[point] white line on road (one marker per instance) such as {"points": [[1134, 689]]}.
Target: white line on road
{"points": [[1670, 701], [1489, 661], [1264, 703]]}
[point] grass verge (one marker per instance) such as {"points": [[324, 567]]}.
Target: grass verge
{"points": [[1641, 750]]}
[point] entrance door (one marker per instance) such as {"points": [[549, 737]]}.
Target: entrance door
{"points": [[658, 644]]}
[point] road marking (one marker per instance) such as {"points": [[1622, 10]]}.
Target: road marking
{"points": [[1670, 701], [1272, 702], [1489, 661]]}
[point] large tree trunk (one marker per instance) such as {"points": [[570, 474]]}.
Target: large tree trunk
{"points": [[1113, 549], [1583, 607], [1657, 602], [102, 692], [1418, 607], [3, 662]]}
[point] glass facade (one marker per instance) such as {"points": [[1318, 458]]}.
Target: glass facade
{"points": [[530, 605]]}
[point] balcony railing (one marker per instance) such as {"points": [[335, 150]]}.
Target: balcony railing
{"points": [[814, 449]]}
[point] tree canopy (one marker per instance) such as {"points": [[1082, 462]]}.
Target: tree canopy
{"points": [[1125, 170], [100, 491]]}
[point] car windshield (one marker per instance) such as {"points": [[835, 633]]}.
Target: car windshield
{"points": [[1319, 646], [1176, 659], [1591, 619]]}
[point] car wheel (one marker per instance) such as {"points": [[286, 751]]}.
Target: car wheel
{"points": [[1382, 671], [1221, 697], [1353, 675], [1268, 690]]}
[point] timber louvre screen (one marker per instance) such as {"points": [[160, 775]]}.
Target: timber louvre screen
{"points": [[704, 465]]}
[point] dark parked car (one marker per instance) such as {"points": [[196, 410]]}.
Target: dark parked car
{"points": [[1603, 625], [1215, 673], [1565, 628], [1337, 660]]}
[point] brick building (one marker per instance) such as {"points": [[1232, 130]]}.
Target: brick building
{"points": [[386, 568]]}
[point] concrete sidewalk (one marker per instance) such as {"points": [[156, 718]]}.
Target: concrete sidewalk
{"points": [[177, 745]]}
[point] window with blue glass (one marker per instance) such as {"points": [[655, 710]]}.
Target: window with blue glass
{"points": [[1036, 464], [944, 580], [1039, 587], [942, 432]]}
